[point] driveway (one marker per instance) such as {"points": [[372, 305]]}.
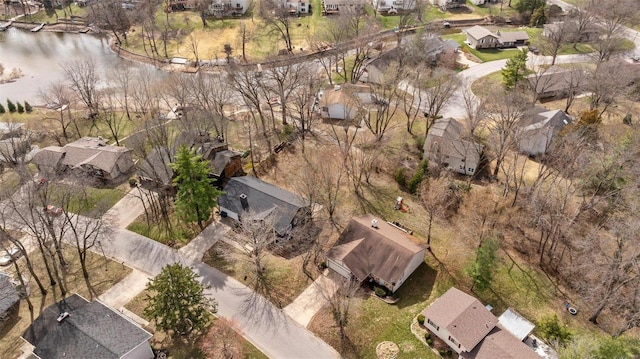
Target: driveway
{"points": [[126, 210], [255, 318]]}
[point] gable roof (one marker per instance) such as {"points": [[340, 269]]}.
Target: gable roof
{"points": [[8, 293], [555, 78], [539, 118], [384, 252], [347, 94], [94, 152], [515, 324], [263, 199], [92, 330], [512, 36], [156, 166], [478, 32], [49, 156], [463, 316], [446, 133], [500, 343]]}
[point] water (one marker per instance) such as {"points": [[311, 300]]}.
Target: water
{"points": [[39, 56]]}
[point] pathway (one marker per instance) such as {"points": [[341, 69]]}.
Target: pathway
{"points": [[205, 240], [312, 299], [126, 210]]}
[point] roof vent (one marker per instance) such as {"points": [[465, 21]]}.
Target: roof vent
{"points": [[336, 87], [374, 223], [62, 317]]}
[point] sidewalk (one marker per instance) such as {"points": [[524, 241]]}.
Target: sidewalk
{"points": [[126, 210], [312, 299], [125, 290], [203, 241]]}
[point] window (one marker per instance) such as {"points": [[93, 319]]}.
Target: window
{"points": [[482, 41]]}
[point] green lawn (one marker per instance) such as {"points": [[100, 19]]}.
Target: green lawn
{"points": [[484, 55], [179, 235], [53, 16], [96, 202]]}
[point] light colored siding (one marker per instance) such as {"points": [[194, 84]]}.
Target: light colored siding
{"points": [[339, 268]]}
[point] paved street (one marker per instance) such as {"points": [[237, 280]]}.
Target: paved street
{"points": [[265, 326]]}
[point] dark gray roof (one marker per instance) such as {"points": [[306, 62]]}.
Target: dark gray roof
{"points": [[156, 166], [92, 330], [263, 198], [539, 117], [221, 160], [48, 156], [8, 293]]}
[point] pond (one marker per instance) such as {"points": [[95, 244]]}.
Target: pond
{"points": [[39, 57]]}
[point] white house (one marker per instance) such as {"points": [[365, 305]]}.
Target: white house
{"points": [[344, 102], [448, 4], [371, 249], [473, 332], [77, 328], [393, 6], [297, 7], [538, 128], [229, 7], [446, 146]]}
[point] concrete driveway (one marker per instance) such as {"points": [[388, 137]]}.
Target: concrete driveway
{"points": [[259, 321]]}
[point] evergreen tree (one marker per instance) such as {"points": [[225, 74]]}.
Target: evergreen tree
{"points": [[538, 18], [177, 301], [2, 110], [481, 271], [515, 69], [11, 106], [20, 108], [27, 107], [196, 195]]}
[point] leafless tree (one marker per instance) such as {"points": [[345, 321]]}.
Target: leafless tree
{"points": [[17, 243], [412, 99], [556, 35], [84, 81], [605, 83], [212, 93], [144, 94], [437, 196], [340, 304], [110, 15], [437, 91], [385, 97], [475, 111], [302, 105], [582, 20], [410, 15], [112, 116], [244, 35], [277, 17], [121, 79], [59, 95], [614, 16]]}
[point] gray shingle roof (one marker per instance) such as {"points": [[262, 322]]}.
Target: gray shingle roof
{"points": [[93, 152], [48, 156], [8, 293], [92, 330], [478, 32], [156, 166], [262, 198]]}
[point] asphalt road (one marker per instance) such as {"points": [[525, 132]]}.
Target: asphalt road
{"points": [[259, 321]]}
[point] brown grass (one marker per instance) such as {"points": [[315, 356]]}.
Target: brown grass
{"points": [[104, 274]]}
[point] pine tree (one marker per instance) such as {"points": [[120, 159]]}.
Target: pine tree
{"points": [[27, 107], [515, 69], [177, 301], [20, 107], [481, 271], [11, 106], [196, 195], [2, 110]]}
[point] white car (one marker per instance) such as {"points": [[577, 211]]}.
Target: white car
{"points": [[7, 258]]}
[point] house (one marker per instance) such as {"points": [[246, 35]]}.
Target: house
{"points": [[344, 102], [446, 146], [88, 155], [297, 7], [480, 37], [393, 6], [334, 6], [247, 194], [482, 2], [221, 8], [9, 297], [156, 171], [77, 328], [556, 82], [369, 249], [449, 4], [538, 128], [590, 33], [472, 331]]}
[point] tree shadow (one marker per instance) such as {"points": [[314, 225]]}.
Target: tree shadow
{"points": [[418, 287]]}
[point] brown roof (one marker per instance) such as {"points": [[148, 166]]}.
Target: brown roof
{"points": [[478, 32], [512, 36], [554, 79], [94, 152], [384, 252], [463, 316], [500, 343], [345, 94]]}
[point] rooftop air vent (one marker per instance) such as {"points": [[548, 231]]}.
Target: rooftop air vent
{"points": [[62, 317], [374, 223]]}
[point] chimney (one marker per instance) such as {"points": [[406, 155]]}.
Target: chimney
{"points": [[374, 223], [244, 202]]}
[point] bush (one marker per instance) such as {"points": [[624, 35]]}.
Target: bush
{"points": [[2, 110], [27, 107], [552, 330], [10, 106], [627, 119], [401, 177], [133, 182], [442, 352], [418, 176], [421, 319], [429, 341], [420, 143], [427, 336], [20, 108], [380, 292]]}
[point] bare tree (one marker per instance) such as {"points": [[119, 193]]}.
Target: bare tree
{"points": [[302, 105], [438, 198], [212, 93], [556, 35], [437, 91], [614, 15], [475, 111], [605, 83], [112, 116], [59, 96], [245, 36], [385, 97], [278, 19], [340, 304], [84, 81]]}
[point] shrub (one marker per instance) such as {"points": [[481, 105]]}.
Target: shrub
{"points": [[133, 182], [2, 110], [427, 336], [421, 319], [552, 330], [429, 341], [420, 143], [27, 107], [380, 292], [401, 177], [20, 108], [442, 352], [627, 119], [418, 176], [10, 106]]}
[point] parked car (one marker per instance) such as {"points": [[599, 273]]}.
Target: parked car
{"points": [[8, 258], [53, 210]]}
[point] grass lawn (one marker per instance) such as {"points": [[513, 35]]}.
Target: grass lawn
{"points": [[53, 16], [179, 235], [285, 276], [104, 274], [483, 85], [484, 55], [207, 345], [96, 202]]}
